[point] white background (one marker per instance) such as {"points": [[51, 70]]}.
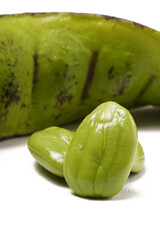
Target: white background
{"points": [[35, 204]]}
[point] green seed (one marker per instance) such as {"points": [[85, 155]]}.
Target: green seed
{"points": [[49, 148], [139, 160], [102, 152]]}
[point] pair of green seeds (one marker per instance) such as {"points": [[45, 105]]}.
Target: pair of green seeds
{"points": [[97, 159]]}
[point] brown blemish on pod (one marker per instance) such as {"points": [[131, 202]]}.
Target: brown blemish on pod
{"points": [[35, 62], [122, 78], [63, 97], [124, 20], [4, 115], [145, 88], [91, 68], [23, 105], [123, 86], [110, 73], [11, 94], [39, 14]]}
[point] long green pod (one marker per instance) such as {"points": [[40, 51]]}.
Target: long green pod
{"points": [[56, 68]]}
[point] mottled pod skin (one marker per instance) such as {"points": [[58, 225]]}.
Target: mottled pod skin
{"points": [[102, 152], [56, 68], [49, 148]]}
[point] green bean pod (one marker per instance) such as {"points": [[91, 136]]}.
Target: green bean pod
{"points": [[55, 68]]}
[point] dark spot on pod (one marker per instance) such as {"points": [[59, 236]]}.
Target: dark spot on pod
{"points": [[62, 74], [3, 114], [40, 13], [65, 71], [111, 17], [2, 45], [57, 116], [31, 14], [91, 68], [75, 65], [145, 88], [12, 75], [15, 62], [129, 75], [12, 99], [65, 74], [124, 20], [138, 25], [23, 105], [69, 98], [71, 77], [35, 62], [127, 65], [63, 97], [121, 85], [72, 13], [57, 74], [110, 73], [10, 84], [11, 94], [121, 76], [7, 104]]}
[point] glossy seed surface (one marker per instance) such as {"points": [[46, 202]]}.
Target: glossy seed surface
{"points": [[101, 154], [49, 148], [139, 161]]}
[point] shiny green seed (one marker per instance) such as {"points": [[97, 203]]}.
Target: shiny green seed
{"points": [[49, 148], [102, 152], [138, 164]]}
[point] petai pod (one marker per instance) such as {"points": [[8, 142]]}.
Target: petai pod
{"points": [[49, 148], [102, 152], [55, 68]]}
